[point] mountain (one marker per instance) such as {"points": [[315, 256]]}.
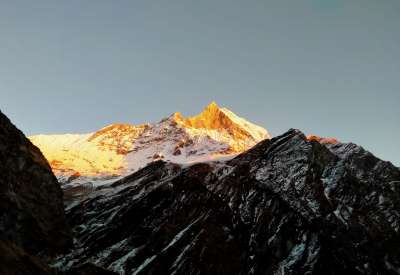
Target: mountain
{"points": [[31, 208], [289, 205], [33, 226], [32, 217], [121, 149]]}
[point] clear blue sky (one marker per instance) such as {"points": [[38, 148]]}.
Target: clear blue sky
{"points": [[326, 67]]}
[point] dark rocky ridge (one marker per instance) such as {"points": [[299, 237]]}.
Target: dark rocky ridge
{"points": [[287, 206], [31, 206], [15, 260]]}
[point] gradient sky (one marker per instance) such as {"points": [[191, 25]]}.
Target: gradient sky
{"points": [[326, 67]]}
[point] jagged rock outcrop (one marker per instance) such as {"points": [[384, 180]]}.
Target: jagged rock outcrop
{"points": [[31, 206], [289, 205]]}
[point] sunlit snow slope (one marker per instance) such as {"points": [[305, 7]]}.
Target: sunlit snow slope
{"points": [[120, 149]]}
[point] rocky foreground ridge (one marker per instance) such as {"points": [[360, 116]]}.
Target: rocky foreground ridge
{"points": [[31, 206], [32, 217], [290, 205]]}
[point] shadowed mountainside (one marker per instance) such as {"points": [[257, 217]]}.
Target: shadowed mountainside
{"points": [[31, 206], [289, 205]]}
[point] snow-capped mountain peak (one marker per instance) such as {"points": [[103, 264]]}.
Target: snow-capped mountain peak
{"points": [[215, 118], [119, 149]]}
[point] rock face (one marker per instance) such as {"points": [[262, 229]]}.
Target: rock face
{"points": [[31, 206], [16, 261], [290, 205]]}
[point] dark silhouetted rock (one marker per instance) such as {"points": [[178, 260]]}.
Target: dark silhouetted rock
{"points": [[287, 206], [15, 261], [88, 269], [31, 206]]}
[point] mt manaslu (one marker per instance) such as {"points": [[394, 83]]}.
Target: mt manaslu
{"points": [[121, 149]]}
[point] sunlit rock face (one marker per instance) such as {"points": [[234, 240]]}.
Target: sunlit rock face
{"points": [[322, 140], [120, 149], [240, 133], [117, 137]]}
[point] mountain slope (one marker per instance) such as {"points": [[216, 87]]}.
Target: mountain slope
{"points": [[31, 206], [121, 149], [289, 205]]}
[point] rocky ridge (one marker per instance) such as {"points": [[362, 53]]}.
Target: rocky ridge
{"points": [[31, 207], [289, 205]]}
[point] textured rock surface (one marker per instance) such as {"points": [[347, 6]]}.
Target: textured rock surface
{"points": [[87, 269], [15, 261], [31, 205], [288, 206]]}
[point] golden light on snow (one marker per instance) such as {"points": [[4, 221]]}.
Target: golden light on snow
{"points": [[69, 154], [122, 148]]}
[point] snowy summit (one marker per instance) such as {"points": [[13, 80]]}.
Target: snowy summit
{"points": [[120, 149]]}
